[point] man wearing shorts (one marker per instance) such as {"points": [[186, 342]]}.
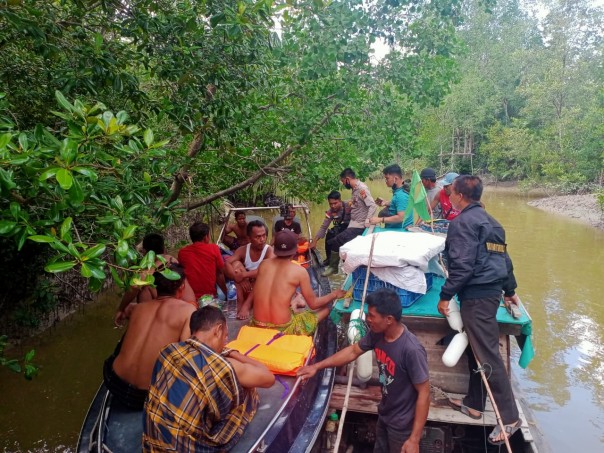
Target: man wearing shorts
{"points": [[276, 285]]}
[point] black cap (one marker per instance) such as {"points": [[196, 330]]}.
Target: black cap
{"points": [[286, 243], [427, 173]]}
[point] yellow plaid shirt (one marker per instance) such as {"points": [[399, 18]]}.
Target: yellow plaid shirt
{"points": [[195, 402]]}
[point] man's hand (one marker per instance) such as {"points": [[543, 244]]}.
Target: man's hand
{"points": [[410, 446], [120, 319], [338, 294], [375, 220], [312, 244], [443, 307], [246, 285], [306, 372], [511, 300]]}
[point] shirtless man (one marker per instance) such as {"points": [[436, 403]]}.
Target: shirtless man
{"points": [[152, 242], [276, 285], [240, 229], [242, 266], [153, 325]]}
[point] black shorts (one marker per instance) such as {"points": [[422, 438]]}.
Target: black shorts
{"points": [[127, 394]]}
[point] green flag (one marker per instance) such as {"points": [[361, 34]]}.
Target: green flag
{"points": [[417, 200]]}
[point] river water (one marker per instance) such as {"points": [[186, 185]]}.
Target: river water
{"points": [[559, 267]]}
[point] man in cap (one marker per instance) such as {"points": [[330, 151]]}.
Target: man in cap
{"points": [[441, 199], [428, 178], [276, 285]]}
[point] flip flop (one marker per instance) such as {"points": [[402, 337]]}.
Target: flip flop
{"points": [[509, 431], [464, 410]]}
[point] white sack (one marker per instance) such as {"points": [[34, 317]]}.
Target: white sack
{"points": [[400, 259], [392, 249]]}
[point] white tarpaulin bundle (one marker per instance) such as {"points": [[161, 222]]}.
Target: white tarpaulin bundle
{"points": [[400, 259]]}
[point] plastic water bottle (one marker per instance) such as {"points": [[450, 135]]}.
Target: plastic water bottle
{"points": [[331, 429], [231, 303]]}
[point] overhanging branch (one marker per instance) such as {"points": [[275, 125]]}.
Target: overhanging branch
{"points": [[269, 168]]}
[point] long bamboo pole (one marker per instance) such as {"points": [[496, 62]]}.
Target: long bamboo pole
{"points": [[351, 368]]}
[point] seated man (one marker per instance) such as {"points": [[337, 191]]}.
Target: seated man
{"points": [[276, 285], [242, 266], [200, 399], [153, 325], [240, 229], [287, 222], [152, 242], [202, 262], [395, 215]]}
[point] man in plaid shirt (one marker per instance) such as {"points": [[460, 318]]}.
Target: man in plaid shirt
{"points": [[202, 400]]}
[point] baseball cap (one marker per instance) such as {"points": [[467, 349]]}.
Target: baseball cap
{"points": [[286, 243], [427, 173], [449, 177]]}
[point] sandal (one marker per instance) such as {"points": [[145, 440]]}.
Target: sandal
{"points": [[464, 409], [509, 432]]}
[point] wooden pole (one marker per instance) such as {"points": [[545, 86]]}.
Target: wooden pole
{"points": [[495, 408], [351, 368]]}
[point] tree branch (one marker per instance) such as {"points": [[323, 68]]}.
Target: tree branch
{"points": [[181, 177], [268, 168]]}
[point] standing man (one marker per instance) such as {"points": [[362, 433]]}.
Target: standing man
{"points": [[362, 208], [242, 266], [202, 262], [276, 285], [202, 397], [337, 215], [396, 207], [403, 367], [442, 200], [428, 178], [480, 271]]}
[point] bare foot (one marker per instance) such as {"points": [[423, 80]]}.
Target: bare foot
{"points": [[244, 313]]}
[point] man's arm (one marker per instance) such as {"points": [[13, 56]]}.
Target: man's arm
{"points": [[250, 373], [370, 203], [422, 406], [312, 300], [340, 358], [185, 333], [322, 231], [229, 270]]}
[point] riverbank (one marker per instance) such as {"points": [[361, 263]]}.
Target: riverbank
{"points": [[583, 208]]}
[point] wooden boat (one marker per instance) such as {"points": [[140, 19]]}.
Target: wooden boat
{"points": [[447, 430], [289, 418]]}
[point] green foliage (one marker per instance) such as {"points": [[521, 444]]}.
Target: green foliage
{"points": [[217, 102], [29, 369], [529, 101], [84, 192]]}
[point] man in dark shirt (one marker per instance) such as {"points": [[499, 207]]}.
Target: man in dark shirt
{"points": [[337, 215], [403, 366], [287, 223], [480, 272]]}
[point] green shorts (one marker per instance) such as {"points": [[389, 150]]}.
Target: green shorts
{"points": [[303, 323]]}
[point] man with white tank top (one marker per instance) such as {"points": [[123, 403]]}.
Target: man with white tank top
{"points": [[242, 266]]}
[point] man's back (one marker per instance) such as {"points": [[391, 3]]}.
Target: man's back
{"points": [[275, 285], [201, 262], [153, 325]]}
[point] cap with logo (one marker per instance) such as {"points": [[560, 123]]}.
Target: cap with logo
{"points": [[286, 243]]}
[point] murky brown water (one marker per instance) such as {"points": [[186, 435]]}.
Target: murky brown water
{"points": [[559, 266]]}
